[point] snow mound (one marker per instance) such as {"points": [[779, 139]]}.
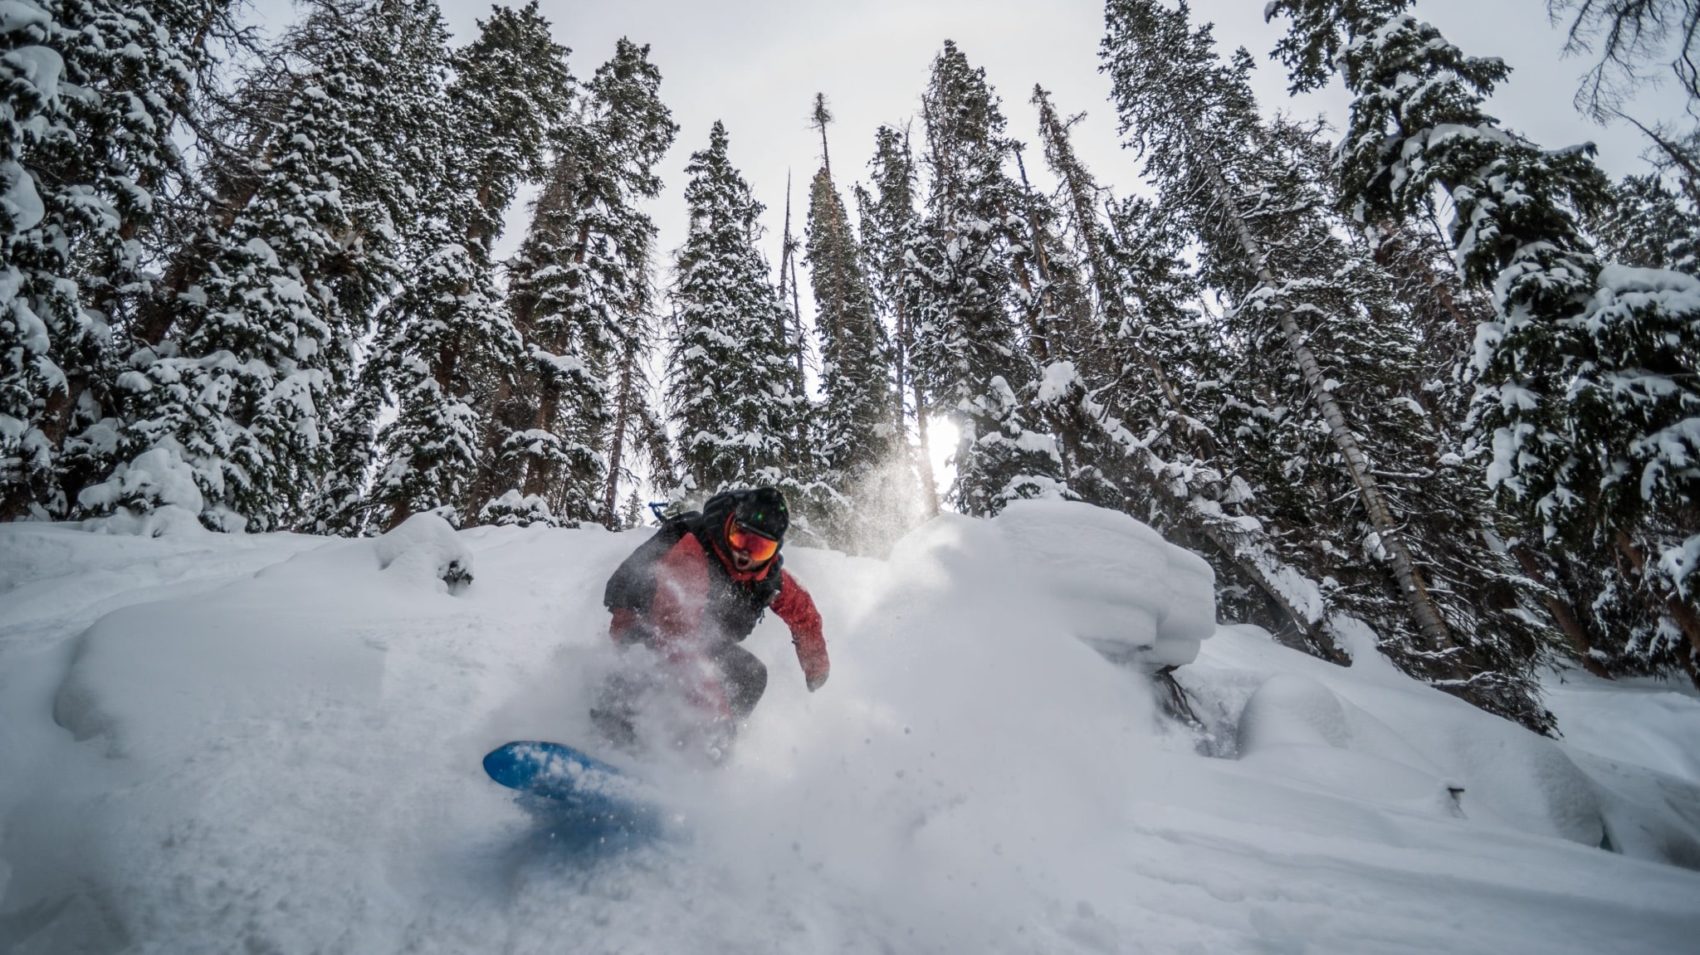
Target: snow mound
{"points": [[1297, 728], [1418, 750], [425, 547], [1122, 587], [1635, 738], [158, 679]]}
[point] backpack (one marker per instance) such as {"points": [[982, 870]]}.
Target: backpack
{"points": [[633, 585]]}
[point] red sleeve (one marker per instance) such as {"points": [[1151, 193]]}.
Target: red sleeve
{"points": [[797, 609]]}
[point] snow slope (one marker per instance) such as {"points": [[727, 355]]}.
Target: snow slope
{"points": [[271, 743]]}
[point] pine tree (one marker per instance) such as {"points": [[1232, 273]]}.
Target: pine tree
{"points": [[1324, 350], [450, 343], [655, 447], [626, 440], [735, 401], [1443, 311], [34, 117], [1063, 339], [890, 228], [94, 92], [855, 421], [1586, 402], [632, 516], [580, 295], [240, 394], [967, 356], [1648, 225]]}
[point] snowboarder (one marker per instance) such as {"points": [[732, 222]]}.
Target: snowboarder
{"points": [[695, 590]]}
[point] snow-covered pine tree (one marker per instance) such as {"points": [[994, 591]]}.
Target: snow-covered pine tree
{"points": [[450, 344], [1587, 403], [967, 355], [1322, 350], [890, 226], [581, 294], [1648, 225], [31, 108], [93, 93], [257, 350], [1067, 342], [735, 401], [632, 515], [625, 434], [855, 423], [655, 448], [1144, 364], [1443, 311], [341, 504]]}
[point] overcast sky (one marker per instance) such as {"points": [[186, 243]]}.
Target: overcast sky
{"points": [[756, 65]]}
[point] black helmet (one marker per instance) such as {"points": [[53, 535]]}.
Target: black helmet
{"points": [[762, 510]]}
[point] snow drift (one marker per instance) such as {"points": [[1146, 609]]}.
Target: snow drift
{"points": [[214, 743]]}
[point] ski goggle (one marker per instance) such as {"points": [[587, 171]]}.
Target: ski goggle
{"points": [[761, 549]]}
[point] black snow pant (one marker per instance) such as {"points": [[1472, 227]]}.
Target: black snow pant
{"points": [[745, 676]]}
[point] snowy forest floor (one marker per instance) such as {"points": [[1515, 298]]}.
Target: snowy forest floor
{"points": [[216, 743]]}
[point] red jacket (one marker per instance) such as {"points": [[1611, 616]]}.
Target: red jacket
{"points": [[678, 612]]}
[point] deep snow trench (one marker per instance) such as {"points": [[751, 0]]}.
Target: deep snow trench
{"points": [[271, 743]]}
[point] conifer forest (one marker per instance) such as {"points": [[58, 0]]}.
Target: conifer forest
{"points": [[1418, 377]]}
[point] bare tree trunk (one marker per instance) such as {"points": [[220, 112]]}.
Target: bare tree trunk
{"points": [[1411, 584], [788, 272], [617, 436], [929, 483]]}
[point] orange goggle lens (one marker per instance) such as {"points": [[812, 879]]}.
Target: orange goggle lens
{"points": [[759, 548]]}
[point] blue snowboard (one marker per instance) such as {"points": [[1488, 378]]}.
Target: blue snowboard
{"points": [[579, 794]]}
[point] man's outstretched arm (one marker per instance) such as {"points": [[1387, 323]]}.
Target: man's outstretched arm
{"points": [[797, 609]]}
